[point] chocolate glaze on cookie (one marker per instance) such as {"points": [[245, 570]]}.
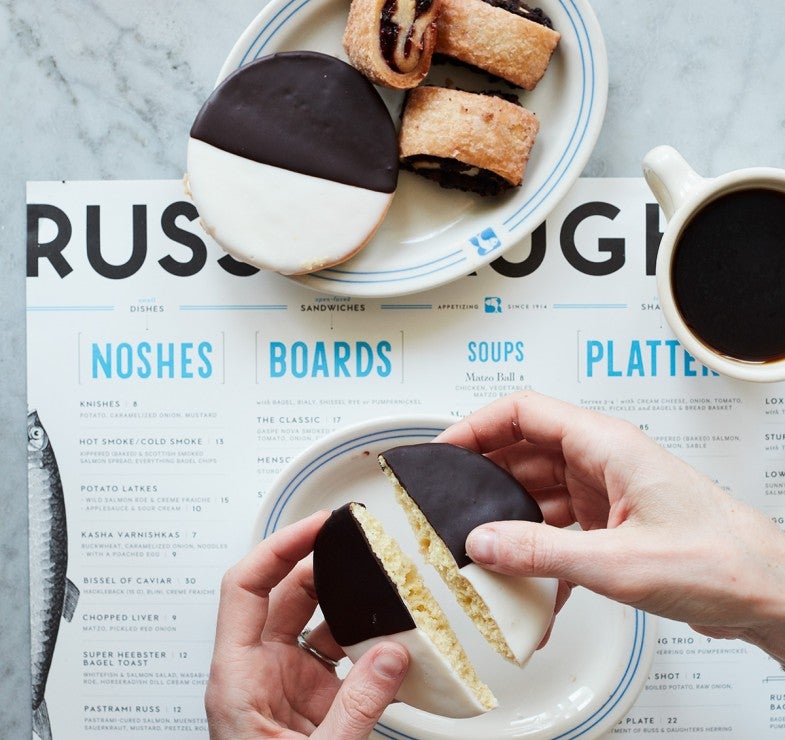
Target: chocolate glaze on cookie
{"points": [[357, 597], [457, 490], [306, 112]]}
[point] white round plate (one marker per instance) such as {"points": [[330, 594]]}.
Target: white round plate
{"points": [[432, 236], [578, 686]]}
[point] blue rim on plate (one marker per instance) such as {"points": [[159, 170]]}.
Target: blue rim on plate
{"points": [[514, 219], [312, 461]]}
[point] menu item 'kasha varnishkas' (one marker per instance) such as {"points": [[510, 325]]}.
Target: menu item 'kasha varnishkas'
{"points": [[447, 491], [464, 140], [392, 41], [506, 38], [370, 591], [293, 162]]}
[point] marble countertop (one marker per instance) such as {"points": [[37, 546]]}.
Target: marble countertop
{"points": [[107, 90]]}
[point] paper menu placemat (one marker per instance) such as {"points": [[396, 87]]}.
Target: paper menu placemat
{"points": [[173, 387]]}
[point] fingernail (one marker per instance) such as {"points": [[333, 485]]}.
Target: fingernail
{"points": [[390, 663], [481, 546]]}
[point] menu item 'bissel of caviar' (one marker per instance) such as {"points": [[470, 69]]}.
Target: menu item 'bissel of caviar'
{"points": [[293, 162], [470, 141], [392, 41], [505, 38]]}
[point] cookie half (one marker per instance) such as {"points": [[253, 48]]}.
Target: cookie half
{"points": [[447, 491], [370, 591]]}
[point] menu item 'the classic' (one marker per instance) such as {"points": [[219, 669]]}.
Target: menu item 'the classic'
{"points": [[506, 38], [392, 43], [466, 140], [370, 592], [447, 491], [293, 162]]}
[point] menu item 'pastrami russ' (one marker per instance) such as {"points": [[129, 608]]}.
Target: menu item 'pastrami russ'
{"points": [[370, 591], [447, 491], [292, 162], [465, 140], [392, 41], [506, 38]]}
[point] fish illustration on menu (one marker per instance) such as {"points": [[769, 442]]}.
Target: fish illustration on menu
{"points": [[52, 596]]}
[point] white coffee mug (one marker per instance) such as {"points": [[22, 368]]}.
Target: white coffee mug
{"points": [[682, 194]]}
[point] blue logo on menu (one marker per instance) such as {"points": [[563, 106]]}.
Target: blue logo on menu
{"points": [[486, 241], [492, 304]]}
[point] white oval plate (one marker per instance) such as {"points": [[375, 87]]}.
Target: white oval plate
{"points": [[578, 686], [432, 236]]}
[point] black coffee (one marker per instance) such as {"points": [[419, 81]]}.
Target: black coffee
{"points": [[728, 274]]}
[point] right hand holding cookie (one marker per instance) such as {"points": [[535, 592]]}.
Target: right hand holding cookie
{"points": [[657, 534]]}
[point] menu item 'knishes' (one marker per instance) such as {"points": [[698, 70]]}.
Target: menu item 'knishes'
{"points": [[464, 140], [392, 41], [293, 162], [370, 591], [506, 38], [447, 491]]}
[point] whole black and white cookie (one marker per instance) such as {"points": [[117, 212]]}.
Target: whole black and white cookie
{"points": [[447, 491], [370, 591], [293, 162]]}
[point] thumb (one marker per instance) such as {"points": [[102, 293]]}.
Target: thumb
{"points": [[365, 693], [586, 558]]}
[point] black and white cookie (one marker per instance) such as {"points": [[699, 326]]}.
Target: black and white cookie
{"points": [[293, 162], [370, 591], [447, 491]]}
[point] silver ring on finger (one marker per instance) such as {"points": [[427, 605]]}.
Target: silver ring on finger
{"points": [[302, 642]]}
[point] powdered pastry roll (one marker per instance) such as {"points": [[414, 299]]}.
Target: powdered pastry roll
{"points": [[370, 591], [504, 37], [292, 162], [465, 140], [392, 41], [446, 491]]}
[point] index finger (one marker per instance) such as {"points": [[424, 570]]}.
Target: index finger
{"points": [[524, 415], [246, 586]]}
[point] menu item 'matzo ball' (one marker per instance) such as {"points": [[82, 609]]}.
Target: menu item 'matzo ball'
{"points": [[370, 591], [293, 162], [447, 491]]}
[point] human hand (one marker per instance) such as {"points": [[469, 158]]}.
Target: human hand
{"points": [[658, 535], [262, 685]]}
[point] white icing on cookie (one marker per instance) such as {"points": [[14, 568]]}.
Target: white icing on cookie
{"points": [[277, 219], [521, 607], [430, 684]]}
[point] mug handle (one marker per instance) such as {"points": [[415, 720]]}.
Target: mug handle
{"points": [[670, 178]]}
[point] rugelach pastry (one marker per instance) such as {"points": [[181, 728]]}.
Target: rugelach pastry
{"points": [[471, 141], [370, 591], [392, 41], [447, 491], [506, 38], [293, 162]]}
